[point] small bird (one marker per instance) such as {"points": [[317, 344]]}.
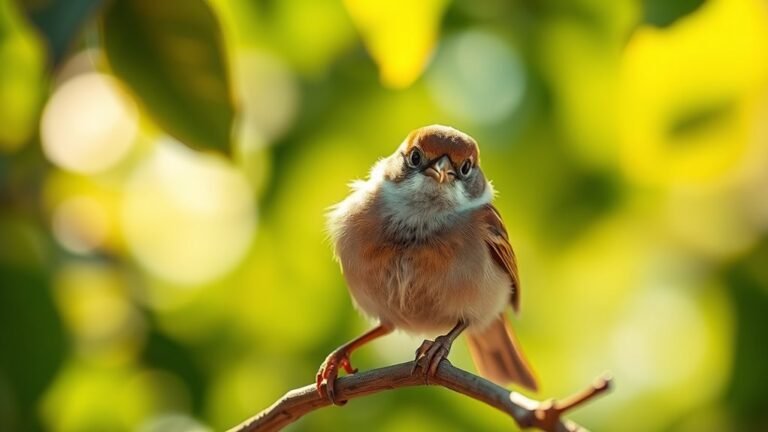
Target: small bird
{"points": [[424, 251]]}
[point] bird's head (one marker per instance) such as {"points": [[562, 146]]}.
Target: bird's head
{"points": [[440, 152], [435, 172]]}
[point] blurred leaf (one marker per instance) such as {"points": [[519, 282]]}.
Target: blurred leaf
{"points": [[748, 390], [164, 353], [586, 198], [400, 35], [662, 13], [21, 78], [685, 112], [311, 48], [60, 22], [32, 344], [171, 54]]}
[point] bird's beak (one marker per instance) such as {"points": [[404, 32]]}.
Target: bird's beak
{"points": [[442, 170]]}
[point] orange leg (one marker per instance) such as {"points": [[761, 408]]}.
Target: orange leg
{"points": [[329, 370], [432, 353]]}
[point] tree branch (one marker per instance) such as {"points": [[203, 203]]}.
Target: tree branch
{"points": [[545, 415]]}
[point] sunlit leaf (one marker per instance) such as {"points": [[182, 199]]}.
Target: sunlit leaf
{"points": [[400, 35], [170, 53], [689, 96]]}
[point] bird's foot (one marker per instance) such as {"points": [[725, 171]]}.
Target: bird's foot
{"points": [[329, 371], [430, 354]]}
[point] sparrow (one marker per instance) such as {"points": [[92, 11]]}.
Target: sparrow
{"points": [[425, 252]]}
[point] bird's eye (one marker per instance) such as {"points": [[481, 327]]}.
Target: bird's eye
{"points": [[466, 168], [414, 158]]}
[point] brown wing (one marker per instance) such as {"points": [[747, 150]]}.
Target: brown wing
{"points": [[498, 243]]}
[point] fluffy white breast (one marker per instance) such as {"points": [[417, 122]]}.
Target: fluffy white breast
{"points": [[418, 206]]}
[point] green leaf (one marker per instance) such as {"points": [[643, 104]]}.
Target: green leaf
{"points": [[170, 53]]}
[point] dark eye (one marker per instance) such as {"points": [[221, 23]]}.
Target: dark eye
{"points": [[466, 168], [414, 158]]}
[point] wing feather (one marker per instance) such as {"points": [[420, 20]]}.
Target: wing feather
{"points": [[497, 239]]}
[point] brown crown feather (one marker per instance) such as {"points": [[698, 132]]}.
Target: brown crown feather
{"points": [[436, 141]]}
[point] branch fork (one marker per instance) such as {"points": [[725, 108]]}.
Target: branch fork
{"points": [[528, 413]]}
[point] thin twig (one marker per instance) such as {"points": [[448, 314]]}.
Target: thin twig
{"points": [[545, 415]]}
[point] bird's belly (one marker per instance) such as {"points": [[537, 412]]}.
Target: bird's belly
{"points": [[426, 290]]}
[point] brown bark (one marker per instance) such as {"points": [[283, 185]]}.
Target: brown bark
{"points": [[544, 415]]}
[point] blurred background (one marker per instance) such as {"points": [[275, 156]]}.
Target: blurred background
{"points": [[165, 167]]}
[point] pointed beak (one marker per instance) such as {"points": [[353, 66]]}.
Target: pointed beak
{"points": [[442, 170]]}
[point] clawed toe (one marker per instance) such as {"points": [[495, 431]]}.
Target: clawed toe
{"points": [[430, 354], [421, 351], [328, 373]]}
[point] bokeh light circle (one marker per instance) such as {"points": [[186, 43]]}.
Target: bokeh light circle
{"points": [[187, 217], [477, 77], [80, 224], [173, 422], [89, 124], [269, 96]]}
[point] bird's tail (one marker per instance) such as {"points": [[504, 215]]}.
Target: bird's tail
{"points": [[497, 356]]}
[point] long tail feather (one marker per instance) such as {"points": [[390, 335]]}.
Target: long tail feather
{"points": [[498, 358]]}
